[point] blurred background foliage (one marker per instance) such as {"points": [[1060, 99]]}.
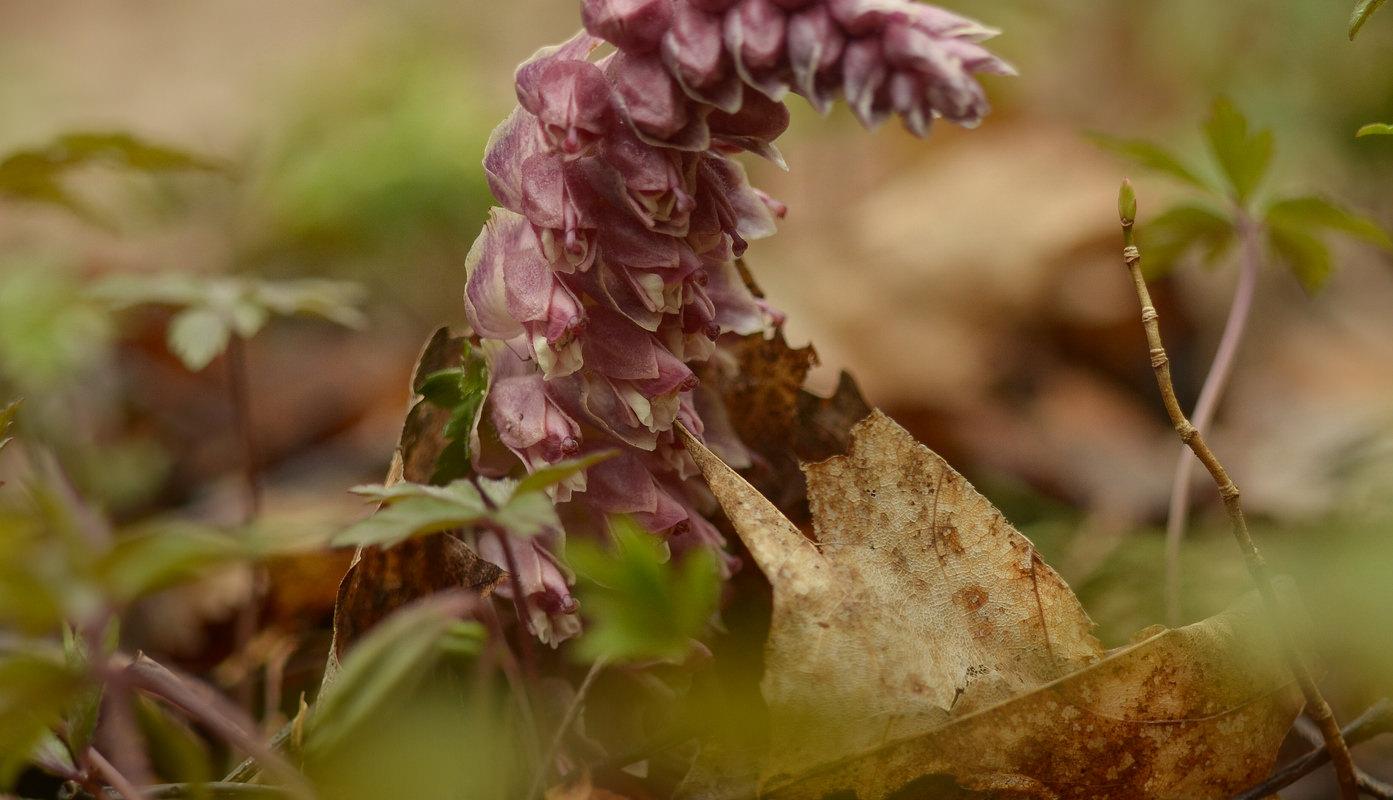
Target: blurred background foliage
{"points": [[970, 283]]}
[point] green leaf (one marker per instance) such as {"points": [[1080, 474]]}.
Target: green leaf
{"points": [[461, 391], [1180, 230], [36, 175], [7, 421], [641, 604], [413, 509], [335, 301], [162, 556], [1305, 254], [553, 474], [402, 520], [1315, 213], [1151, 156], [175, 751], [1362, 11], [1244, 157], [177, 289], [35, 690], [197, 336], [381, 669], [1375, 129], [462, 492]]}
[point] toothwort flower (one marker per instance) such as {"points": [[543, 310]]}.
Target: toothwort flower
{"points": [[610, 269]]}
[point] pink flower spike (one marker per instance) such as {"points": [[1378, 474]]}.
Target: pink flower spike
{"points": [[635, 26]]}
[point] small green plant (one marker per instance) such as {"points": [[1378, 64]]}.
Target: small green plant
{"points": [[39, 174], [1232, 211], [642, 603], [1233, 208], [212, 310]]}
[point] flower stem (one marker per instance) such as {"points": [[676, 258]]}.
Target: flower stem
{"points": [[1316, 706], [1215, 383]]}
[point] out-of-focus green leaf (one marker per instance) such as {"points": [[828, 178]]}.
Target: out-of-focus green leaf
{"points": [[1151, 156], [197, 336], [50, 334], [641, 604], [212, 309], [1304, 253], [176, 752], [162, 556], [1244, 156], [461, 391], [35, 578], [1316, 213], [178, 289], [335, 301], [80, 719], [381, 669], [36, 175], [35, 689], [1375, 129], [7, 419], [1362, 11], [1179, 230]]}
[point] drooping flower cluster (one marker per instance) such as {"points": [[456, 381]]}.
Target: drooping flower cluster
{"points": [[610, 268]]}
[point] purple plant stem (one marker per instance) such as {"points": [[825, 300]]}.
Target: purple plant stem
{"points": [[1215, 384]]}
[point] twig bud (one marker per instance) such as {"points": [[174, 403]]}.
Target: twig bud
{"points": [[1127, 203]]}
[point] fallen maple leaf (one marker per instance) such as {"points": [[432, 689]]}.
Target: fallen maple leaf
{"points": [[921, 643]]}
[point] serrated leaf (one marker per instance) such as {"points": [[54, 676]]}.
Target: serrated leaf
{"points": [[407, 518], [1243, 156], [1315, 213], [1304, 254], [1375, 129], [553, 474], [641, 604], [163, 556], [462, 492], [197, 336], [1151, 156], [1180, 230], [461, 391], [380, 669], [1362, 11]]}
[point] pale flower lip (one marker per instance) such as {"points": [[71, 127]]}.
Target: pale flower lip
{"points": [[609, 272]]}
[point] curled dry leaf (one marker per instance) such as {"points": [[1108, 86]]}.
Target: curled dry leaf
{"points": [[921, 643], [381, 580], [780, 421]]}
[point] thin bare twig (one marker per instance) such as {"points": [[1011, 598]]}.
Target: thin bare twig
{"points": [[1377, 720], [1211, 393], [112, 775], [567, 720], [239, 396], [221, 717], [1316, 706]]}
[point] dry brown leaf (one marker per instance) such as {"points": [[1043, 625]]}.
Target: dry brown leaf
{"points": [[379, 581], [779, 420], [922, 637]]}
